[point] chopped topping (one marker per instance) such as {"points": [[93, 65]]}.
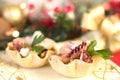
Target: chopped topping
{"points": [[79, 52], [86, 57], [18, 43], [67, 48], [24, 51], [22, 46]]}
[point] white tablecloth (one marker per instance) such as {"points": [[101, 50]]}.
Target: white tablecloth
{"points": [[11, 71]]}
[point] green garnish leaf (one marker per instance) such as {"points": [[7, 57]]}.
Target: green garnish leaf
{"points": [[38, 39], [91, 46], [104, 53], [38, 49]]}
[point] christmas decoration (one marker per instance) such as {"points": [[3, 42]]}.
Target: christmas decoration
{"points": [[57, 23], [68, 19], [107, 22], [14, 15], [115, 5]]}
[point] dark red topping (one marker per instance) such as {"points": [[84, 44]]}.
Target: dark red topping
{"points": [[18, 43], [78, 52]]}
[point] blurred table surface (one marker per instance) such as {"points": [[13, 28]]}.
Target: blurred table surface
{"points": [[11, 71]]}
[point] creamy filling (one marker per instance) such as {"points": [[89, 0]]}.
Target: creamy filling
{"points": [[24, 52]]}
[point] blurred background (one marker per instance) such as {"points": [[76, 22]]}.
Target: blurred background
{"points": [[62, 20]]}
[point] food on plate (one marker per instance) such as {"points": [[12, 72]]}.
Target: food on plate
{"points": [[76, 60], [31, 52]]}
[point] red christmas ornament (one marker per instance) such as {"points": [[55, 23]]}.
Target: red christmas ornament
{"points": [[31, 6], [57, 10], [47, 15], [68, 8], [115, 5], [47, 23]]}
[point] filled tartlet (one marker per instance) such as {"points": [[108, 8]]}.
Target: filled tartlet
{"points": [[31, 52], [75, 60]]}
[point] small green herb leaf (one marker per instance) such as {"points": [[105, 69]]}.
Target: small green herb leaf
{"points": [[38, 39], [104, 53], [91, 46], [38, 49]]}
